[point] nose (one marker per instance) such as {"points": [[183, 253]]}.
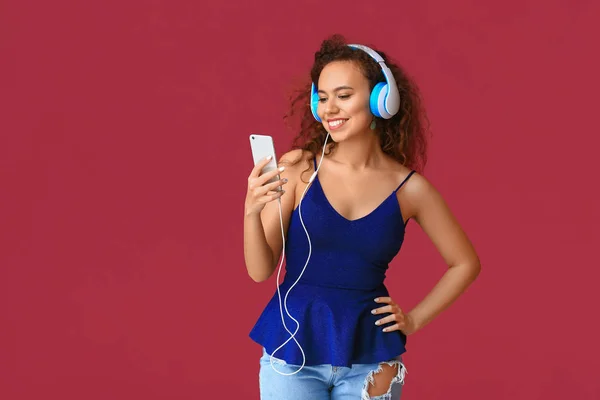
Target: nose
{"points": [[330, 107]]}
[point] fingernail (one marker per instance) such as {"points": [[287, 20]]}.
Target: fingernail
{"points": [[268, 157], [377, 299], [281, 169], [373, 311], [284, 180], [376, 322]]}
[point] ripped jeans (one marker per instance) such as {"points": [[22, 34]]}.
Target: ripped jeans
{"points": [[324, 382]]}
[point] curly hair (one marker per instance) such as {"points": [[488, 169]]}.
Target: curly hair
{"points": [[403, 137]]}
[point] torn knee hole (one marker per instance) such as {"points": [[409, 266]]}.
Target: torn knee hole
{"points": [[380, 381]]}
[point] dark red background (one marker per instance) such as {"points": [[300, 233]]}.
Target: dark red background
{"points": [[124, 155]]}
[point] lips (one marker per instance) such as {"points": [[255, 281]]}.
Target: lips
{"points": [[336, 123]]}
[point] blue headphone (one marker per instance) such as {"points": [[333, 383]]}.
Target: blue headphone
{"points": [[385, 98]]}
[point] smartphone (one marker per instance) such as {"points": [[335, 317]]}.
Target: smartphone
{"points": [[262, 146]]}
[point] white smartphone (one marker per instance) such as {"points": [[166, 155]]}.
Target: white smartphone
{"points": [[262, 146]]}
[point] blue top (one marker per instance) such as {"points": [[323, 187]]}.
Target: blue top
{"points": [[334, 297]]}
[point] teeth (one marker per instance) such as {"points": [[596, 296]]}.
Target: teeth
{"points": [[337, 122]]}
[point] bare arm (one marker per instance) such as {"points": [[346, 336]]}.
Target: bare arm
{"points": [[437, 221], [262, 227]]}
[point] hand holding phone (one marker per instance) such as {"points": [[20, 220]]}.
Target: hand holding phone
{"points": [[264, 182]]}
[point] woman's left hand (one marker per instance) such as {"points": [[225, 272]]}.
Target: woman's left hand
{"points": [[403, 322]]}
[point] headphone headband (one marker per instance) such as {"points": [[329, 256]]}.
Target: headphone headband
{"points": [[375, 55]]}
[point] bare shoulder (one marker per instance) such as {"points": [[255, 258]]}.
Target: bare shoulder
{"points": [[428, 207], [293, 157], [417, 187], [417, 194], [297, 164]]}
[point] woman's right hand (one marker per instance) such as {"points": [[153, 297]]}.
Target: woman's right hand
{"points": [[259, 192]]}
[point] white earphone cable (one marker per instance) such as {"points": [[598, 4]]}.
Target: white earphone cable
{"points": [[301, 273]]}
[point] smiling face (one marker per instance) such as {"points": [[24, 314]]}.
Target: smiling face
{"points": [[344, 100]]}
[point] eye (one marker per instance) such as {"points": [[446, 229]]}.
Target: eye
{"points": [[344, 96], [322, 100]]}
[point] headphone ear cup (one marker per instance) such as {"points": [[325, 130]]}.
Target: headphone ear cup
{"points": [[377, 100], [314, 102]]}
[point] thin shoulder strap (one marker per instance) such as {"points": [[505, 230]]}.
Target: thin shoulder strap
{"points": [[405, 179]]}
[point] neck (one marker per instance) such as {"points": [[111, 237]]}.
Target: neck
{"points": [[359, 152]]}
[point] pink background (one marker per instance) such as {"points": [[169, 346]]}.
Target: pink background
{"points": [[124, 155]]}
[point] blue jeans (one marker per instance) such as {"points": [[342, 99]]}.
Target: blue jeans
{"points": [[323, 382]]}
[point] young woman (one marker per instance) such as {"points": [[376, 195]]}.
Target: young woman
{"points": [[332, 330]]}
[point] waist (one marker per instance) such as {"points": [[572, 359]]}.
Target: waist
{"points": [[336, 277], [310, 291]]}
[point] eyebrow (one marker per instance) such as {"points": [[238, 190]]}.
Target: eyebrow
{"points": [[337, 89]]}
